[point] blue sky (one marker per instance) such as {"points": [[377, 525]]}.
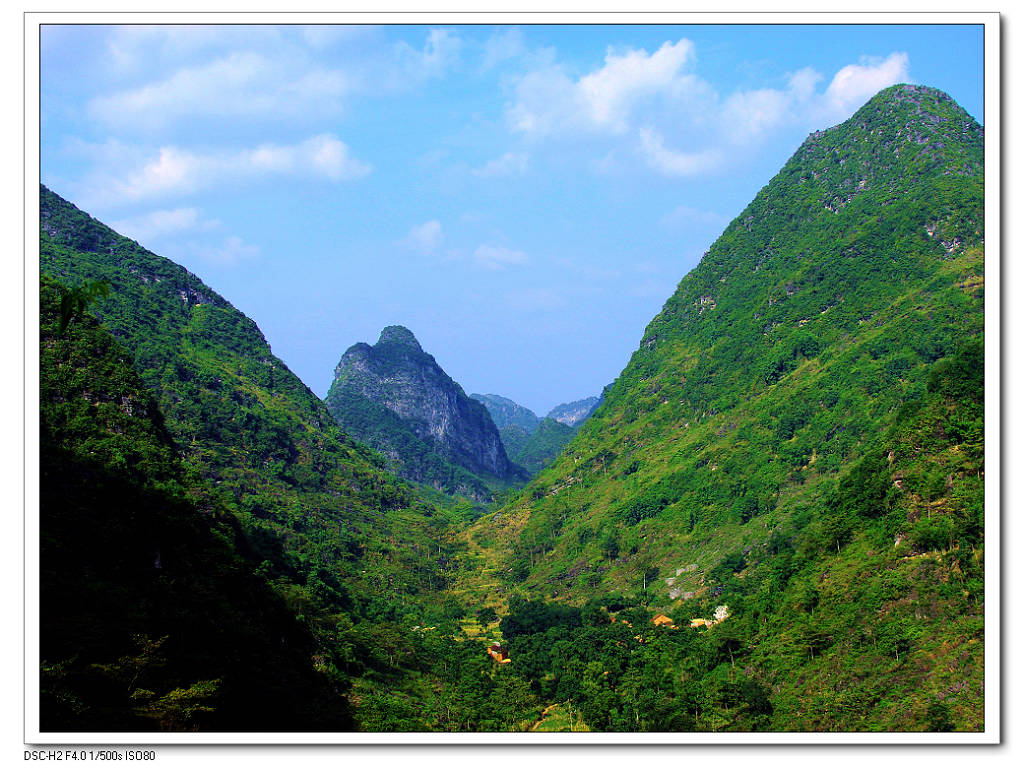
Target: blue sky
{"points": [[524, 199]]}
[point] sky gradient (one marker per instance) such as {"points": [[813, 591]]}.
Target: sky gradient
{"points": [[524, 199]]}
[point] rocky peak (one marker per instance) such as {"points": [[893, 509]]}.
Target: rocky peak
{"points": [[397, 374], [399, 335]]}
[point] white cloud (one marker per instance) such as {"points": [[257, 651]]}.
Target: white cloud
{"points": [[329, 156], [177, 171], [509, 164], [441, 51], [154, 224], [803, 82], [653, 105], [671, 162], [548, 101], [611, 92], [748, 114], [132, 48], [498, 257], [425, 238], [856, 83], [242, 84]]}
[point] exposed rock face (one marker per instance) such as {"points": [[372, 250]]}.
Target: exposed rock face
{"points": [[397, 374], [576, 412]]}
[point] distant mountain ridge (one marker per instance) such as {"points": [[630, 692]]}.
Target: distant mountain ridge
{"points": [[396, 398], [576, 412], [505, 412], [530, 441]]}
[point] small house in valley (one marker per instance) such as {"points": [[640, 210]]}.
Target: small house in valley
{"points": [[499, 653]]}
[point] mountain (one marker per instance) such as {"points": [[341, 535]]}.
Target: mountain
{"points": [[574, 413], [791, 461], [536, 449], [530, 442], [396, 398], [506, 413], [313, 515], [151, 618]]}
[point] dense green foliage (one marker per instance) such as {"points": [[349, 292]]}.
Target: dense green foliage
{"points": [[622, 673], [150, 619], [536, 449], [749, 452]]}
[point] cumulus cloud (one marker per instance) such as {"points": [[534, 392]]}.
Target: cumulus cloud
{"points": [[856, 83], [611, 92], [498, 257], [655, 106], [177, 171], [549, 101], [509, 164], [425, 238]]}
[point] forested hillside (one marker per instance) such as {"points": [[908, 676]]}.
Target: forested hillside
{"points": [[783, 441], [150, 617], [344, 544]]}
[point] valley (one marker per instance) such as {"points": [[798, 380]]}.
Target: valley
{"points": [[771, 520]]}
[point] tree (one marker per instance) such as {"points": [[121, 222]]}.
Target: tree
{"points": [[74, 301]]}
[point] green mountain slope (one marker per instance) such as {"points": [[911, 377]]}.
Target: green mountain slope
{"points": [[735, 461], [150, 619], [261, 443], [531, 442], [535, 449], [356, 555]]}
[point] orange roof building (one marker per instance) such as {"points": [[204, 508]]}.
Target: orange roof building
{"points": [[499, 653]]}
